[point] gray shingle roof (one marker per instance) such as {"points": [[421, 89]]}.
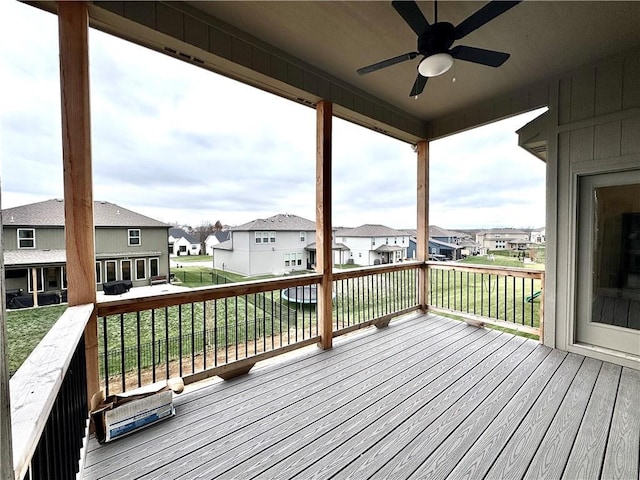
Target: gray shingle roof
{"points": [[280, 222], [180, 233], [34, 257], [50, 213], [371, 230]]}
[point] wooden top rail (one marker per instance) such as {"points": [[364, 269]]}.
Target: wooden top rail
{"points": [[202, 294], [35, 386], [376, 269], [507, 271]]}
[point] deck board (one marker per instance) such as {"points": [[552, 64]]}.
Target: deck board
{"points": [[426, 397]]}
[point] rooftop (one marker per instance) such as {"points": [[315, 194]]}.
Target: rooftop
{"points": [[279, 222], [50, 213]]}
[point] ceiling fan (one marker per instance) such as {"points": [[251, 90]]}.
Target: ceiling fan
{"points": [[435, 41]]}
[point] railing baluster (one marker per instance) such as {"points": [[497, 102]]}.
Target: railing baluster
{"points": [[139, 360], [122, 359], [180, 338]]}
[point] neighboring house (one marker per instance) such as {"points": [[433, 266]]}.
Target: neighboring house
{"points": [[374, 244], [503, 239], [445, 244], [273, 245], [128, 245], [537, 235], [182, 243], [214, 239]]}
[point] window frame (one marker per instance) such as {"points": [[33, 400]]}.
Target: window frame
{"points": [[131, 237], [155, 260], [98, 272], [32, 239], [122, 263], [144, 264]]}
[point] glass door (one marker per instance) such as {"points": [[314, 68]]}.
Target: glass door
{"points": [[608, 261]]}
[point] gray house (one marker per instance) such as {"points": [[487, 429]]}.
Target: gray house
{"points": [[273, 245], [129, 246]]}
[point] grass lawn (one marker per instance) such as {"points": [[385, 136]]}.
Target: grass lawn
{"points": [[192, 258], [25, 329], [501, 261]]}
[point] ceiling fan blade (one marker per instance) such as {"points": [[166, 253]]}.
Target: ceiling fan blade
{"points": [[490, 58], [412, 15], [487, 13], [418, 86], [387, 63]]}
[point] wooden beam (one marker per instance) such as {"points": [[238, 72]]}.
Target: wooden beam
{"points": [[324, 114], [6, 444], [73, 35], [422, 245]]}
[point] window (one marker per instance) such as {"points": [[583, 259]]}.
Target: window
{"points": [[141, 269], [403, 240], [98, 272], [386, 241], [303, 236], [182, 249], [395, 240], [373, 242], [154, 267], [292, 259], [111, 271], [63, 275], [125, 269], [134, 237], [26, 238], [265, 237]]}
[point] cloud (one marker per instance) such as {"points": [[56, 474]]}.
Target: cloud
{"points": [[179, 143]]}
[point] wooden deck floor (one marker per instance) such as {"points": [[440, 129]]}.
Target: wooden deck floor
{"points": [[427, 397]]}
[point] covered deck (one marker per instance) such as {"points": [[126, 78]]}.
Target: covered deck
{"points": [[426, 397]]}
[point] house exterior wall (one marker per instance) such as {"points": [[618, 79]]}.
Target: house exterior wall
{"points": [[251, 258], [362, 249], [111, 244], [45, 237], [596, 129]]}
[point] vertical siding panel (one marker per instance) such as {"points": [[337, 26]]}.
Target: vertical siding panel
{"points": [[581, 145], [630, 142], [141, 12], [196, 33], [631, 81], [220, 43], [607, 140], [609, 87], [583, 89], [564, 101], [169, 21]]}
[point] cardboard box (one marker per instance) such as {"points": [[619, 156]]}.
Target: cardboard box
{"points": [[120, 415]]}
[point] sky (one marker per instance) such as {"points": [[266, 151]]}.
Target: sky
{"points": [[187, 146]]}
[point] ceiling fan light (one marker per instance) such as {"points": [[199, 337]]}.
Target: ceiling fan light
{"points": [[435, 65]]}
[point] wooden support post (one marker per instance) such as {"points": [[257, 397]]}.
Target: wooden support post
{"points": [[34, 285], [324, 232], [422, 245], [73, 33], [6, 441]]}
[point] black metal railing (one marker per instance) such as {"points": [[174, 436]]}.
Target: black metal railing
{"points": [[57, 454], [513, 295], [363, 296], [181, 338], [49, 408]]}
